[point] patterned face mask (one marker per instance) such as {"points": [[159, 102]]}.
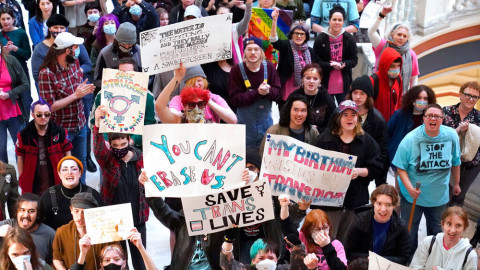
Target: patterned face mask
{"points": [[196, 115]]}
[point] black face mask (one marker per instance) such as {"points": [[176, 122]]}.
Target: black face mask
{"points": [[120, 153], [55, 34], [113, 266]]}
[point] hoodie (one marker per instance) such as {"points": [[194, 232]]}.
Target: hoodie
{"points": [[389, 98], [451, 259]]}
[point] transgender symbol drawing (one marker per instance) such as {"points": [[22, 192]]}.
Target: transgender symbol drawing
{"points": [[120, 104]]}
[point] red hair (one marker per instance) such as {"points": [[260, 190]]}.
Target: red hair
{"points": [[189, 94], [311, 220]]}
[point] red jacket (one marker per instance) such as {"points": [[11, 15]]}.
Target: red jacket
{"points": [[57, 145], [389, 98]]}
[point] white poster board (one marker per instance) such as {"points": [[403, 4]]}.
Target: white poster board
{"points": [[306, 172], [377, 262], [188, 160], [191, 42], [245, 206], [124, 95], [109, 223]]}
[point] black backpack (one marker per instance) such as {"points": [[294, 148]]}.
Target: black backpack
{"points": [[376, 84]]}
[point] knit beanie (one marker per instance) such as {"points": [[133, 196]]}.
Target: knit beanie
{"points": [[362, 83], [192, 72], [57, 19], [126, 33], [253, 40]]}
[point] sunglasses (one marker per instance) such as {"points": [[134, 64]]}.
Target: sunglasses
{"points": [[200, 105], [46, 114]]}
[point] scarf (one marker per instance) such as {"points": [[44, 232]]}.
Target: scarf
{"points": [[297, 67], [404, 51]]}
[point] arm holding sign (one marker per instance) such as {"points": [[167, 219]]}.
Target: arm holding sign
{"points": [[85, 245], [136, 238], [161, 104]]}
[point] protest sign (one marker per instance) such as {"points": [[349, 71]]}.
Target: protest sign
{"points": [[377, 262], [260, 26], [108, 223], [186, 160], [306, 172], [124, 95], [191, 42], [245, 206]]}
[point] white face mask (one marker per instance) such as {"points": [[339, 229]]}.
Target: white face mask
{"points": [[18, 261], [266, 265]]}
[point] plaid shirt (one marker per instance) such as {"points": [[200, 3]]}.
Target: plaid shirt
{"points": [[58, 83]]}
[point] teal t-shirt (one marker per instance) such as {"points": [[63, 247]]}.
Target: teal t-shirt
{"points": [[428, 160], [199, 260], [321, 9]]}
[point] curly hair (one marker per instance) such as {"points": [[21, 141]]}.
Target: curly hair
{"points": [[409, 98], [188, 94]]}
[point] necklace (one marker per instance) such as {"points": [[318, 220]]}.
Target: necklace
{"points": [[61, 189]]}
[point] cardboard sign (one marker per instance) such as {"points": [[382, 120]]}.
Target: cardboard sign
{"points": [[306, 172], [124, 95], [260, 26], [245, 206], [187, 160], [109, 223], [191, 42], [377, 262]]}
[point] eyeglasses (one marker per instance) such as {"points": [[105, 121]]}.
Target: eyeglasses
{"points": [[433, 117], [471, 97], [200, 105], [46, 114], [299, 34]]}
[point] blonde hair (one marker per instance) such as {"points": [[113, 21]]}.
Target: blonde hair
{"points": [[191, 82]]}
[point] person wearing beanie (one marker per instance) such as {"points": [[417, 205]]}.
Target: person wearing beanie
{"points": [[217, 108], [140, 13], [57, 199], [71, 238], [62, 85], [93, 12], [56, 24], [124, 45], [372, 121], [254, 85], [294, 55]]}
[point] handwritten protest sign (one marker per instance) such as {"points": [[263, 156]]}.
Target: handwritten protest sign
{"points": [[245, 206], [186, 160], [377, 262], [124, 95], [108, 223], [191, 42], [306, 172], [260, 26]]}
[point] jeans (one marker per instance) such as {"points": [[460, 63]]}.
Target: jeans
{"points": [[79, 142], [13, 125], [432, 216], [257, 119]]}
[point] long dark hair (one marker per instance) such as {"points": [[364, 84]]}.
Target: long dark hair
{"points": [[50, 59], [409, 98], [17, 235], [287, 107], [38, 11], [9, 11]]}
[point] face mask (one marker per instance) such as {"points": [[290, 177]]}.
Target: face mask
{"points": [[135, 10], [93, 17], [120, 153], [195, 115], [266, 265], [18, 261], [420, 105], [55, 34], [123, 49], [109, 29], [77, 53], [393, 73], [113, 266]]}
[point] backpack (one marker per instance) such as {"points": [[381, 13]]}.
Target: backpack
{"points": [[376, 84], [466, 254], [51, 190]]}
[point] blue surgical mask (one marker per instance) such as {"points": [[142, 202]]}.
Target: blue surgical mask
{"points": [[94, 17], [77, 52], [393, 73], [110, 29], [135, 10]]}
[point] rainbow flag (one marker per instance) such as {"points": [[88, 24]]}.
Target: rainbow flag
{"points": [[260, 26]]}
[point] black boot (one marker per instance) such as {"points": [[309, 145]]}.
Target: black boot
{"points": [[91, 167]]}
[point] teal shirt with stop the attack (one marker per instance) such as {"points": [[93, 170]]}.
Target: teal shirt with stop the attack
{"points": [[428, 160]]}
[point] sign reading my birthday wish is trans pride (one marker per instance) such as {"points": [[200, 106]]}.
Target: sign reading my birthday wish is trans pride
{"points": [[261, 24], [124, 95], [186, 160], [306, 172]]}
